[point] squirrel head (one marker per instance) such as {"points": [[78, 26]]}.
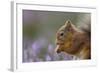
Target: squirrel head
{"points": [[64, 37]]}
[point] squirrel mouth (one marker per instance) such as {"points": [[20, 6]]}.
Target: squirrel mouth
{"points": [[57, 50], [58, 47]]}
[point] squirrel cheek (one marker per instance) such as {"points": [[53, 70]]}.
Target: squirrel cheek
{"points": [[68, 45]]}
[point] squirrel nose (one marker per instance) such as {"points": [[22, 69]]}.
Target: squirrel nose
{"points": [[58, 51]]}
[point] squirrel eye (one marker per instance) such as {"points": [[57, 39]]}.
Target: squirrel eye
{"points": [[61, 34]]}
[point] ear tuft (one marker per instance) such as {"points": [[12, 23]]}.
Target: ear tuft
{"points": [[68, 23]]}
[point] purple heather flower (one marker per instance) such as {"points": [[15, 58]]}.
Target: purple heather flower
{"points": [[48, 58], [50, 49]]}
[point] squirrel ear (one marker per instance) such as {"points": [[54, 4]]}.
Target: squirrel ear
{"points": [[68, 23]]}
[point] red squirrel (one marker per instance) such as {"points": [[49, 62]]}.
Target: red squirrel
{"points": [[73, 41]]}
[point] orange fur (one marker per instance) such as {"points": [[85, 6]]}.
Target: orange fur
{"points": [[73, 41]]}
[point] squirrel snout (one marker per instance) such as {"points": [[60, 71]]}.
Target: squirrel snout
{"points": [[57, 50]]}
